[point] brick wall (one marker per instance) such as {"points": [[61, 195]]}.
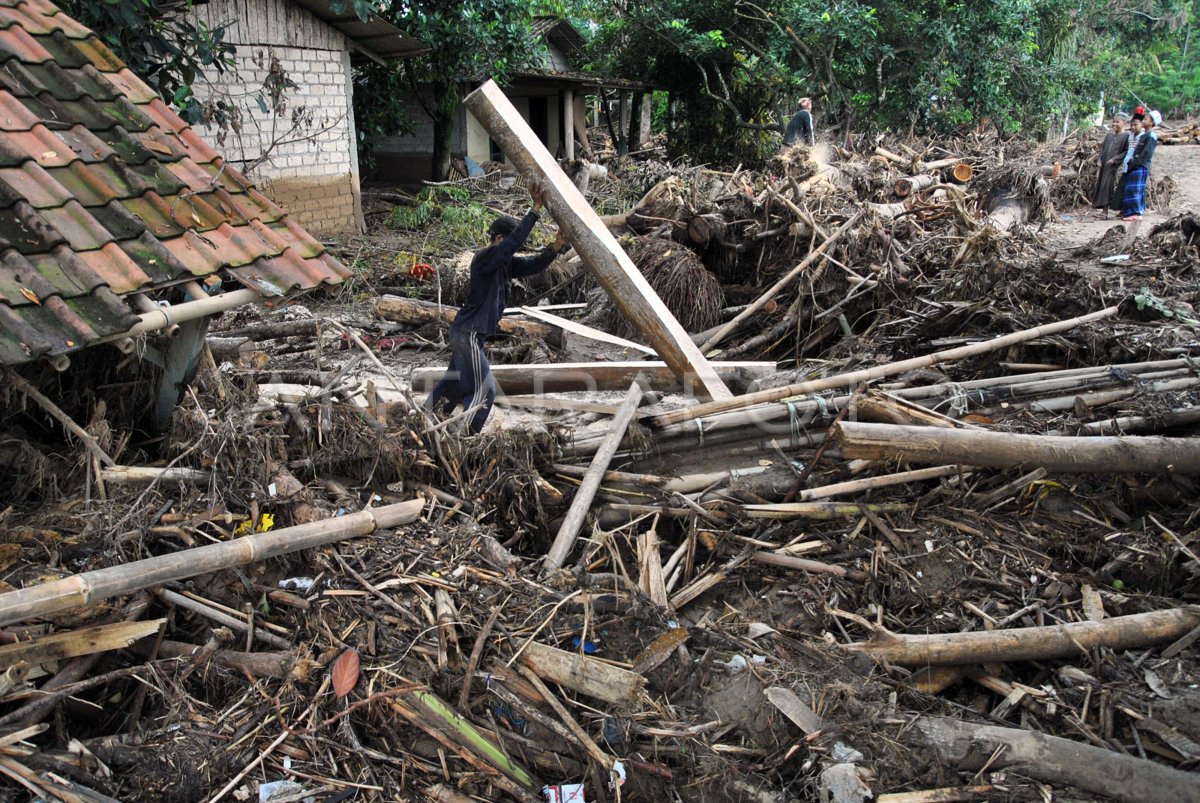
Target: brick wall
{"points": [[301, 158]]}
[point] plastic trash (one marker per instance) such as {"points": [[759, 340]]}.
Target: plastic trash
{"points": [[563, 793], [281, 790], [297, 584], [738, 662]]}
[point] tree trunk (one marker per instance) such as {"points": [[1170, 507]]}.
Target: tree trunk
{"points": [[446, 104], [635, 122]]}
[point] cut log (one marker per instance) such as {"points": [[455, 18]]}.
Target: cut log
{"points": [[564, 541], [867, 374], [593, 376], [961, 173], [417, 313], [585, 675], [613, 268], [1031, 643], [90, 587], [910, 184], [971, 746], [1108, 454]]}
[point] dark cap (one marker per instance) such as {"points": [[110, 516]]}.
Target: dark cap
{"points": [[503, 226]]}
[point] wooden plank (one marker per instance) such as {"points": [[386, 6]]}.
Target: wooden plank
{"points": [[594, 376], [73, 643], [576, 328], [613, 268], [583, 674]]}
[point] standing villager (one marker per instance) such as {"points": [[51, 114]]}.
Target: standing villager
{"points": [[468, 379], [800, 129], [1133, 205], [1111, 155]]}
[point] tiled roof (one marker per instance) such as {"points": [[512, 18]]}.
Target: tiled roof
{"points": [[104, 191]]}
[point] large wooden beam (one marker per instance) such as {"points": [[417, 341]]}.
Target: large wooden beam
{"points": [[416, 312], [1106, 454], [592, 240], [590, 376]]}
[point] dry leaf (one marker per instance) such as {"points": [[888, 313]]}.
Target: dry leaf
{"points": [[156, 146], [32, 296], [345, 673]]}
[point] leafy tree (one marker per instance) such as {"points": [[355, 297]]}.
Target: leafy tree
{"points": [[470, 41], [159, 43]]}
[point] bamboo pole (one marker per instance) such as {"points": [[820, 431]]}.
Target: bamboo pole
{"points": [[1030, 643], [774, 289], [1141, 423], [93, 586], [785, 510], [564, 541], [594, 243], [879, 371], [119, 475], [1132, 454], [811, 566]]}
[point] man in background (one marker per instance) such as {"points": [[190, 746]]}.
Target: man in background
{"points": [[800, 129]]}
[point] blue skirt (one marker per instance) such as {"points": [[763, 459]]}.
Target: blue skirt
{"points": [[1134, 200]]}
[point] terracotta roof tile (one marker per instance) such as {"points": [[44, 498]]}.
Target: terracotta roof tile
{"points": [[35, 185], [82, 231], [105, 191], [20, 43], [92, 51]]}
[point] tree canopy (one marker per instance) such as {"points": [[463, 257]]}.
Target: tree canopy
{"points": [[739, 65]]}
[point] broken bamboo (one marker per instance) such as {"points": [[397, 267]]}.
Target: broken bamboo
{"points": [[89, 587], [1031, 643], [867, 374], [584, 674], [613, 268], [1132, 454], [564, 541], [595, 376]]}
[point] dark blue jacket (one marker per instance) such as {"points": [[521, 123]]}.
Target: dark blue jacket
{"points": [[492, 272], [1143, 154], [800, 129]]}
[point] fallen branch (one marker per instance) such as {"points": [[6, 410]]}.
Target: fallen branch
{"points": [[1031, 643], [970, 746]]}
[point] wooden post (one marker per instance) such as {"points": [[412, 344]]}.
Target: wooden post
{"points": [[568, 117], [569, 531], [89, 587], [622, 143], [978, 447], [593, 242]]}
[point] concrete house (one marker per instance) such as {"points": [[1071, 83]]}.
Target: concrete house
{"points": [[305, 158], [552, 98]]}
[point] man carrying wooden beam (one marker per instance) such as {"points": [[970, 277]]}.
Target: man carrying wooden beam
{"points": [[468, 379]]}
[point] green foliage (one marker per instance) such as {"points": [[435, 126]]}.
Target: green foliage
{"points": [[159, 43], [470, 41], [738, 66], [458, 218]]}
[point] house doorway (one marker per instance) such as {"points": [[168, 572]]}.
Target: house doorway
{"points": [[539, 119]]}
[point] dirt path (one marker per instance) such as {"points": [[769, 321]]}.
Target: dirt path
{"points": [[1180, 162]]}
